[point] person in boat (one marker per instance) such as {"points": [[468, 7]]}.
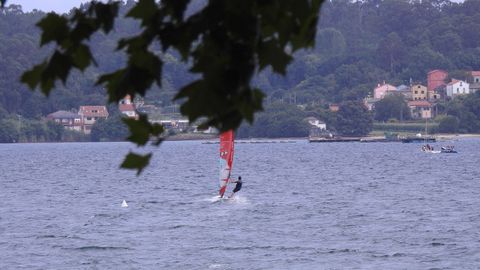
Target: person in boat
{"points": [[238, 186]]}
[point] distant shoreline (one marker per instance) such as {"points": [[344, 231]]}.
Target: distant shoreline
{"points": [[456, 136], [211, 137], [214, 137]]}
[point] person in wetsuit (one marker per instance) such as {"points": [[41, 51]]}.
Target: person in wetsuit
{"points": [[238, 186]]}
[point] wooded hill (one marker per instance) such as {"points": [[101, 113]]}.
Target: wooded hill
{"points": [[358, 44]]}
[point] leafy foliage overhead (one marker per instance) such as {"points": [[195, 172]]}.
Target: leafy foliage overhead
{"points": [[227, 42]]}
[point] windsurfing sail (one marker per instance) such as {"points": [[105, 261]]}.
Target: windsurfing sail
{"points": [[226, 159]]}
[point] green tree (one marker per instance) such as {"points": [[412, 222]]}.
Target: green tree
{"points": [[391, 52], [9, 132], [353, 119], [111, 129], [449, 124], [226, 42], [466, 109], [392, 106], [279, 120], [330, 42]]}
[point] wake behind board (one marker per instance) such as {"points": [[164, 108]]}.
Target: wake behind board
{"points": [[217, 199]]}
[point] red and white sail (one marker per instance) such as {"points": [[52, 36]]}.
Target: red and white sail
{"points": [[226, 159]]}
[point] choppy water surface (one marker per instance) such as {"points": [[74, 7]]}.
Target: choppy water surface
{"points": [[303, 206]]}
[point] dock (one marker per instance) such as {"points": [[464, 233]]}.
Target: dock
{"points": [[253, 141], [327, 140], [419, 140]]}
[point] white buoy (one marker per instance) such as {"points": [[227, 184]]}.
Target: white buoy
{"points": [[124, 204]]}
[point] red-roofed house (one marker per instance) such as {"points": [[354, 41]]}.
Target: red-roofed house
{"points": [[420, 109], [127, 108], [475, 85], [90, 115], [476, 76], [334, 107], [457, 87]]}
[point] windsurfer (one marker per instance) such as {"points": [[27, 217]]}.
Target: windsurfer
{"points": [[238, 186]]}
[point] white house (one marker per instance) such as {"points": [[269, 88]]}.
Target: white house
{"points": [[314, 122], [126, 107], [175, 124], [457, 87]]}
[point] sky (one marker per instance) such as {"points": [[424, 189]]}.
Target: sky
{"points": [[59, 6]]}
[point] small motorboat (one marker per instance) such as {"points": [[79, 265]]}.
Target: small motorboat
{"points": [[448, 150]]}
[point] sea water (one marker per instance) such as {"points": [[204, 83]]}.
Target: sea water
{"points": [[302, 206]]}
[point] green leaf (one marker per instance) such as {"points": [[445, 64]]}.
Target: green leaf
{"points": [[54, 28], [82, 57], [136, 162], [143, 10], [58, 67], [2, 2], [139, 130], [113, 83], [270, 53], [106, 14], [33, 77]]}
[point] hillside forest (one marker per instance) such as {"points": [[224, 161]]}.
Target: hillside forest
{"points": [[359, 44]]}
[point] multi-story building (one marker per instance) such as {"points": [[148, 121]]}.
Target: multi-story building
{"points": [[90, 115], [436, 78], [419, 92]]}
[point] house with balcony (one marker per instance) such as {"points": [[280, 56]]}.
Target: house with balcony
{"points": [[69, 120], [90, 115]]}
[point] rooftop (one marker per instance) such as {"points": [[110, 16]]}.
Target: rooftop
{"points": [[63, 115]]}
